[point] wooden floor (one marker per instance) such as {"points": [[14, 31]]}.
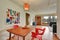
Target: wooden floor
{"points": [[4, 35], [55, 37]]}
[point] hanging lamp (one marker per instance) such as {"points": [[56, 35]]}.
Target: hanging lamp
{"points": [[26, 6]]}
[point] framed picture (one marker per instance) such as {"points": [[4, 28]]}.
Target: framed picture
{"points": [[13, 17]]}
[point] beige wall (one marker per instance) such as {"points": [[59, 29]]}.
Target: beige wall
{"points": [[4, 5], [58, 16]]}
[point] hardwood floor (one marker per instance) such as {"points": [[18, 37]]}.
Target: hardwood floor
{"points": [[4, 35], [55, 37]]}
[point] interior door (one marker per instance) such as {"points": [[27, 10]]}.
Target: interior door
{"points": [[38, 20], [27, 18]]}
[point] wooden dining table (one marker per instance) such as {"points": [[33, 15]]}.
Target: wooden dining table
{"points": [[20, 31]]}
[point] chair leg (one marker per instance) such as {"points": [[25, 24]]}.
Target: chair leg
{"points": [[32, 38], [18, 37], [40, 39]]}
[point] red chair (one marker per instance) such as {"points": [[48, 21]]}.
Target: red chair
{"points": [[38, 34], [40, 30]]}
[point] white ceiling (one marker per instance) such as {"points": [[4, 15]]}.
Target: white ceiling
{"points": [[39, 6]]}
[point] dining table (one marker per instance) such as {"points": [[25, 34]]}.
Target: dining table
{"points": [[20, 31]]}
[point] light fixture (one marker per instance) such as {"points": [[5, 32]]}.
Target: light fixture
{"points": [[26, 6]]}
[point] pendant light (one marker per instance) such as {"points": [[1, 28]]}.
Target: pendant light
{"points": [[26, 6]]}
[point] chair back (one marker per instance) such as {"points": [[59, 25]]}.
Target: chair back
{"points": [[40, 30]]}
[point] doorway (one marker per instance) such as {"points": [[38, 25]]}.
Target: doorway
{"points": [[27, 18], [38, 20]]}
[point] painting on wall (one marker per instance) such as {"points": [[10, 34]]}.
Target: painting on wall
{"points": [[13, 17]]}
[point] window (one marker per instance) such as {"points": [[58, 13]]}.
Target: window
{"points": [[55, 17], [46, 17]]}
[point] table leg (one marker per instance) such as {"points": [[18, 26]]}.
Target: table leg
{"points": [[18, 37], [9, 36], [24, 38]]}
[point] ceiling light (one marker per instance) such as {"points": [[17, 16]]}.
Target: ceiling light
{"points": [[26, 6]]}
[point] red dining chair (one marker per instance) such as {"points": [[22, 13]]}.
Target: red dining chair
{"points": [[40, 30], [38, 34]]}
